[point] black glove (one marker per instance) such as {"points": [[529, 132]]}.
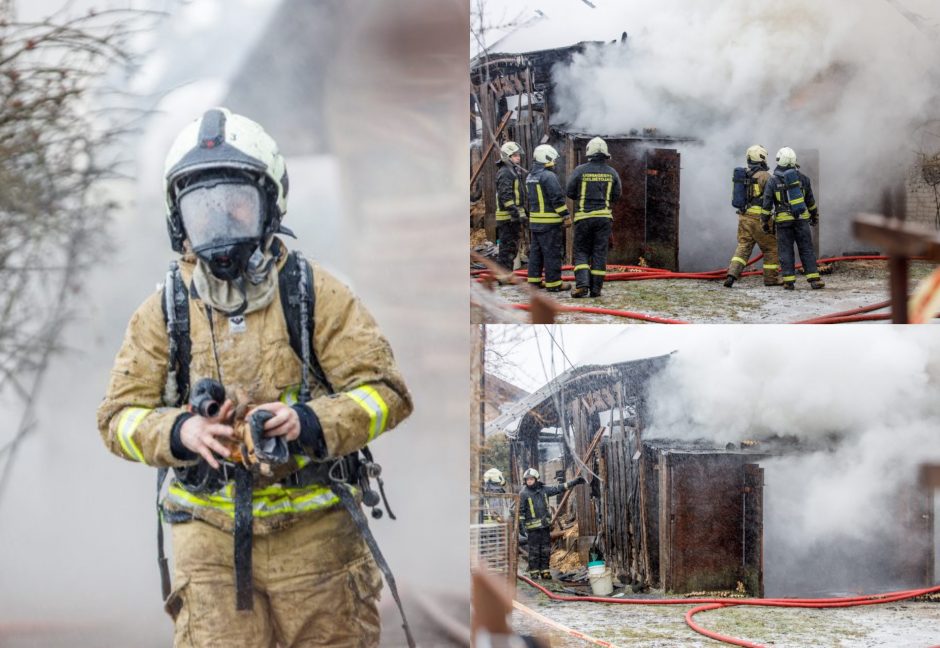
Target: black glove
{"points": [[814, 220], [577, 481], [765, 225], [514, 213]]}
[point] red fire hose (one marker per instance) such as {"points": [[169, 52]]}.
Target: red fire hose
{"points": [[706, 604], [640, 273]]}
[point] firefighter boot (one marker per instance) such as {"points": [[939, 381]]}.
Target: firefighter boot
{"points": [[580, 292], [789, 285], [729, 281], [546, 574], [816, 284], [535, 574], [563, 286], [597, 282]]}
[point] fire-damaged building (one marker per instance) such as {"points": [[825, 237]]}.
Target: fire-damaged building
{"points": [[680, 516], [515, 93], [513, 98]]}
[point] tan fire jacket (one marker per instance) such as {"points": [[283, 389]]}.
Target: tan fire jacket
{"points": [[371, 397]]}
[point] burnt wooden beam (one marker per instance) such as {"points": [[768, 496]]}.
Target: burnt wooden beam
{"points": [[930, 476], [900, 241]]}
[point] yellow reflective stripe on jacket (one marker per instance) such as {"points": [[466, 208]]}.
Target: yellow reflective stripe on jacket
{"points": [[531, 508], [600, 213], [544, 218], [374, 405], [290, 395], [538, 191], [273, 500], [127, 424], [754, 210]]}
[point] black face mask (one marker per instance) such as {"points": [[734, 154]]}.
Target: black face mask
{"points": [[230, 260]]}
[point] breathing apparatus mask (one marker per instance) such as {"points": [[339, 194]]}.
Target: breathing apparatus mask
{"points": [[224, 222]]}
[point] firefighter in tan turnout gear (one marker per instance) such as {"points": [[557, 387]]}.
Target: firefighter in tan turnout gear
{"points": [[750, 232], [268, 539]]}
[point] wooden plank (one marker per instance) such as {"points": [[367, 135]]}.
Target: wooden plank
{"points": [[490, 147], [585, 458]]}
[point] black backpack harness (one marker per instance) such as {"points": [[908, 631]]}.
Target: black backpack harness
{"points": [[298, 299]]}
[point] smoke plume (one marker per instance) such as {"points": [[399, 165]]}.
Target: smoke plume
{"points": [[850, 79], [863, 405]]}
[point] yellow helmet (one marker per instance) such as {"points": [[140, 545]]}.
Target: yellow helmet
{"points": [[545, 154], [597, 146], [509, 149], [757, 153], [786, 157], [494, 476]]}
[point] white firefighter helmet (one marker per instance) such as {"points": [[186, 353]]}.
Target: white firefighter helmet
{"points": [[221, 140], [509, 149], [531, 472], [786, 157], [597, 146], [545, 154], [494, 476], [757, 153]]}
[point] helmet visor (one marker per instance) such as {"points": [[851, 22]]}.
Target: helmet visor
{"points": [[216, 214]]}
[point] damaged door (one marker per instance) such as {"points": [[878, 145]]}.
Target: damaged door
{"points": [[711, 528], [662, 208]]}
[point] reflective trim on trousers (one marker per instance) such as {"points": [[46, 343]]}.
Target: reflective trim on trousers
{"points": [[372, 402], [771, 266], [552, 284], [127, 424], [812, 275], [739, 260], [582, 266], [599, 273], [790, 278]]}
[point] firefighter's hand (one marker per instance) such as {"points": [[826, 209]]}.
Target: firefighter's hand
{"points": [[285, 422], [814, 220], [577, 481], [765, 225], [206, 436]]}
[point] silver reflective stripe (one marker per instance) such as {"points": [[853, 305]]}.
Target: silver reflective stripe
{"points": [[372, 402], [126, 426]]}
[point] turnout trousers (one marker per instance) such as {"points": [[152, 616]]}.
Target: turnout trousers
{"points": [[315, 584], [799, 233], [507, 232], [540, 549], [591, 239], [545, 254], [750, 233]]}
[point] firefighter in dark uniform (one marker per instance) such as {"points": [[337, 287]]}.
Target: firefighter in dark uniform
{"points": [[509, 203], [792, 229], [593, 187], [547, 213], [536, 518], [750, 230]]}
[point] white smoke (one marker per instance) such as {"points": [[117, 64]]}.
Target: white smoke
{"points": [[863, 405], [851, 79]]}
